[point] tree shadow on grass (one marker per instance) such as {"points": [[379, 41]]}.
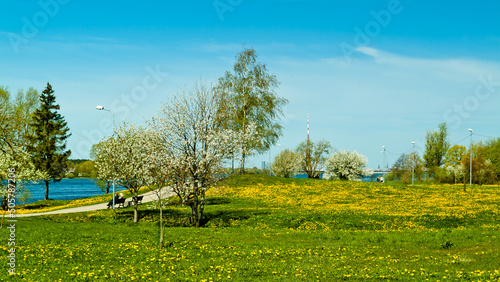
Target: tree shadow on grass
{"points": [[216, 215], [36, 207], [170, 216], [217, 201], [439, 222], [226, 218]]}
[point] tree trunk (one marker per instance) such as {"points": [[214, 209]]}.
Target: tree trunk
{"points": [[135, 212], [242, 163], [161, 224], [194, 212], [46, 189], [202, 205], [194, 207], [136, 217]]}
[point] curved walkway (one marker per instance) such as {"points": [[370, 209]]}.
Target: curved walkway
{"points": [[148, 197]]}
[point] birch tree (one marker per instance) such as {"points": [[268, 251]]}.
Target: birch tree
{"points": [[250, 97], [14, 129]]}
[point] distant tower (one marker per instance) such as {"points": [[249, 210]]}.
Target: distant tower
{"points": [[308, 161], [307, 127]]}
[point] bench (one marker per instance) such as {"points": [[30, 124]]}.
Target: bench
{"points": [[120, 202], [139, 201]]}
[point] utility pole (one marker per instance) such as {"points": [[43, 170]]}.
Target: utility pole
{"points": [[101, 108], [413, 166], [470, 158], [384, 160]]}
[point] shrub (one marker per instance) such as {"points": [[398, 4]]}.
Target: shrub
{"points": [[286, 163], [346, 165]]}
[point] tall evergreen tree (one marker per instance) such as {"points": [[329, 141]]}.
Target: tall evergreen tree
{"points": [[47, 143]]}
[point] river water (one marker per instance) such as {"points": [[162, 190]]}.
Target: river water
{"points": [[67, 189]]}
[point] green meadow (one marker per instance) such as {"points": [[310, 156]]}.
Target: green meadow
{"points": [[260, 228]]}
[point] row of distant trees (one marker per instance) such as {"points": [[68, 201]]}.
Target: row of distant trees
{"points": [[446, 163], [32, 139], [313, 158]]}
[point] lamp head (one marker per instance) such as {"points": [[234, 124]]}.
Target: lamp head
{"points": [[100, 108], [470, 129]]}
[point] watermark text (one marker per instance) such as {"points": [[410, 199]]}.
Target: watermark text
{"points": [[11, 203]]}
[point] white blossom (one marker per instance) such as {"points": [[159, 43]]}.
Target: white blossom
{"points": [[346, 165], [191, 123], [19, 160]]}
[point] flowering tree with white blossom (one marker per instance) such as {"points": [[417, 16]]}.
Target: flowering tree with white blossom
{"points": [[20, 161], [193, 125], [134, 157], [346, 165], [160, 169]]}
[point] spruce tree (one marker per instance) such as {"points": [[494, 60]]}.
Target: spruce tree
{"points": [[47, 143]]}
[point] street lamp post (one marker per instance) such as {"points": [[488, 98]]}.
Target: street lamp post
{"points": [[470, 158], [383, 161], [413, 166], [101, 108]]}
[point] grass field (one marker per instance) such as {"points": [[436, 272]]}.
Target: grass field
{"points": [[260, 228]]}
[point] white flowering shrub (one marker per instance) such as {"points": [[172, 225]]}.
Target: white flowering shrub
{"points": [[455, 171], [346, 165], [286, 163]]}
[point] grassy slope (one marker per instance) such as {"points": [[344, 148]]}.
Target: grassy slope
{"points": [[265, 228]]}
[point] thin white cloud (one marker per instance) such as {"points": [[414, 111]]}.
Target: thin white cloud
{"points": [[441, 67]]}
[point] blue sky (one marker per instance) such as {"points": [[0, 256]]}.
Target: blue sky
{"points": [[369, 73]]}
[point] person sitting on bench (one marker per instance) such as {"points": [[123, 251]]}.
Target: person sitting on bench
{"points": [[110, 204]]}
